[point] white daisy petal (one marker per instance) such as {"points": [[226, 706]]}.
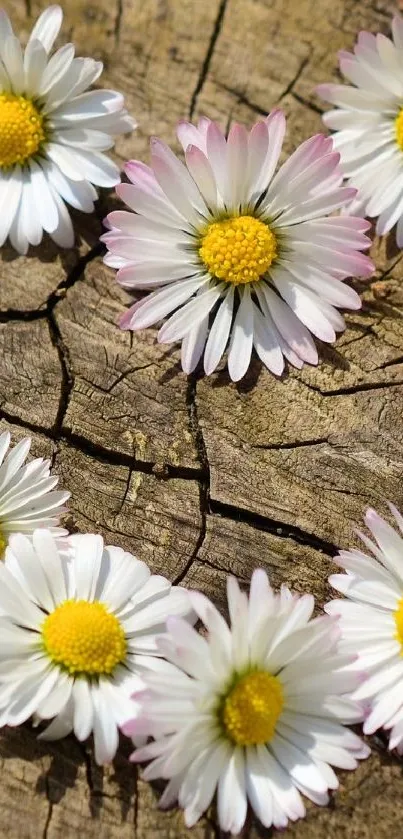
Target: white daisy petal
{"points": [[202, 174], [34, 66], [216, 148], [133, 577], [74, 615], [106, 736], [266, 343], [14, 461], [28, 212], [27, 499], [5, 27], [193, 345], [287, 324], [172, 168], [161, 303], [210, 221], [47, 27], [10, 195], [237, 151], [219, 333], [242, 338], [231, 799], [58, 698], [87, 73], [87, 561], [368, 121], [223, 717], [53, 134], [191, 314], [5, 438], [78, 194], [371, 620], [13, 61], [63, 234], [83, 709], [43, 197], [17, 234], [61, 726], [57, 66]]}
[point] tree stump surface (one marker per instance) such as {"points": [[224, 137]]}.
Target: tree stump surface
{"points": [[197, 476]]}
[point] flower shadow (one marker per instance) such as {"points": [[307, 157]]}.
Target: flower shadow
{"points": [[379, 306], [67, 764], [247, 383], [88, 228], [329, 354], [392, 250]]}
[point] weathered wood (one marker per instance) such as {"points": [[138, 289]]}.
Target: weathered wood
{"points": [[127, 395], [198, 477]]}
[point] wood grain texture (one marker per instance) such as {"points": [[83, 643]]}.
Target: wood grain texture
{"points": [[198, 477]]}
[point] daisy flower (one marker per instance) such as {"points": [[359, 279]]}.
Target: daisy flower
{"points": [[255, 711], [226, 237], [368, 120], [53, 134], [78, 634], [27, 496], [371, 621]]}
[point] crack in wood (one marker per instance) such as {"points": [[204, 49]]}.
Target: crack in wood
{"points": [[242, 99], [204, 483], [118, 21], [63, 437], [17, 315], [294, 80], [345, 391], [109, 456], [209, 54], [50, 810], [279, 528], [42, 312], [67, 382], [315, 108], [296, 444]]}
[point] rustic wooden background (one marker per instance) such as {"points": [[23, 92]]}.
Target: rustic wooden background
{"points": [[199, 477]]}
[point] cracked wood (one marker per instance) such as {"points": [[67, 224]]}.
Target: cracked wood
{"points": [[200, 478]]}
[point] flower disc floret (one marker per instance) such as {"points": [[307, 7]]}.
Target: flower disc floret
{"points": [[21, 130], [398, 616], [370, 619], [45, 131], [3, 544], [399, 129], [74, 658], [251, 709], [235, 256], [247, 709], [84, 638], [238, 250], [367, 117]]}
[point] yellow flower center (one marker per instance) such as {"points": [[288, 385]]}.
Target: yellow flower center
{"points": [[399, 129], [398, 615], [84, 638], [3, 544], [21, 129], [238, 250], [251, 709]]}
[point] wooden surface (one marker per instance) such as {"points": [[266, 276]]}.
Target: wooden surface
{"points": [[198, 477]]}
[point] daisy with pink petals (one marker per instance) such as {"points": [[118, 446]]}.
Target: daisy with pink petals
{"points": [[371, 622], [238, 256], [368, 120]]}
